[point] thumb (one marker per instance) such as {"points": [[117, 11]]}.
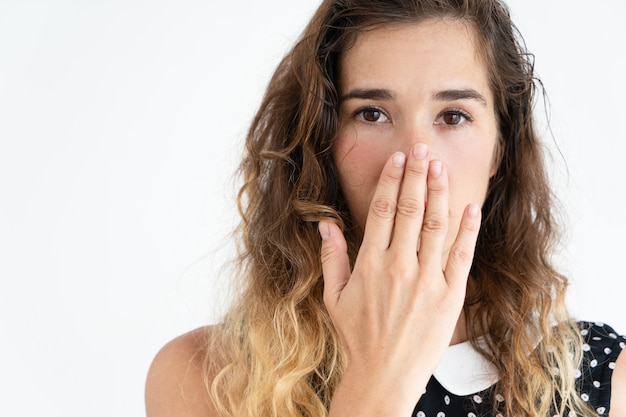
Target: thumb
{"points": [[335, 262]]}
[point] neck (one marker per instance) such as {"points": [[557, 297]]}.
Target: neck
{"points": [[460, 331]]}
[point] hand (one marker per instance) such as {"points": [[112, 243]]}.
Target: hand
{"points": [[396, 311]]}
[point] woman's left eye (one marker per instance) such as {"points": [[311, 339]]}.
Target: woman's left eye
{"points": [[453, 118]]}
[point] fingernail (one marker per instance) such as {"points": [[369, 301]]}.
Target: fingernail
{"points": [[420, 151], [473, 210], [324, 230], [399, 159], [435, 168]]}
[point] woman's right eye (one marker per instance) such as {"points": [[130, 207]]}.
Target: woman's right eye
{"points": [[371, 115]]}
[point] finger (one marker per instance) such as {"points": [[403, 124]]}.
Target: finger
{"points": [[462, 252], [382, 210], [335, 262], [435, 225], [411, 202]]}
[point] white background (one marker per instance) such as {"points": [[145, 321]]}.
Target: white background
{"points": [[121, 125]]}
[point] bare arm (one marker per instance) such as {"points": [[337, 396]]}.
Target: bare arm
{"points": [[175, 384], [618, 387]]}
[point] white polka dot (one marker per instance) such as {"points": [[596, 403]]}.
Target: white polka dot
{"points": [[477, 399], [596, 384], [585, 397], [612, 365], [622, 345], [586, 347], [421, 414], [593, 363], [600, 410], [599, 324], [471, 415], [584, 332], [499, 398], [571, 414], [612, 335], [596, 338], [446, 400], [441, 414], [577, 373], [607, 350]]}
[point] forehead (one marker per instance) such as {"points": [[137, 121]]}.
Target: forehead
{"points": [[439, 50]]}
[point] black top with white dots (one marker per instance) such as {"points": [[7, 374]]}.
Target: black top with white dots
{"points": [[602, 345]]}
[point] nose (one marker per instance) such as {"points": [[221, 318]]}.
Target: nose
{"points": [[419, 131]]}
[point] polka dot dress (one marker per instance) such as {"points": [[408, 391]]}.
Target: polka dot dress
{"points": [[602, 345]]}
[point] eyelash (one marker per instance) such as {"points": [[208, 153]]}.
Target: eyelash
{"points": [[455, 112], [448, 112], [359, 113]]}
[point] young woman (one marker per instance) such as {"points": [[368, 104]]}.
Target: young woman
{"points": [[397, 233]]}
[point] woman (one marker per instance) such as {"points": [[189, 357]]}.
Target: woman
{"points": [[401, 132]]}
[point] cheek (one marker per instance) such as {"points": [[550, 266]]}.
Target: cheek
{"points": [[359, 158], [469, 175], [359, 164]]}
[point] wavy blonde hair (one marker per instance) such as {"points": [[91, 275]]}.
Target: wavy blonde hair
{"points": [[283, 355]]}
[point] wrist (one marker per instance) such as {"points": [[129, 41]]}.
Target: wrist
{"points": [[364, 391]]}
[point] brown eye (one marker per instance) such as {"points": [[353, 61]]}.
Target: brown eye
{"points": [[371, 115], [452, 118]]}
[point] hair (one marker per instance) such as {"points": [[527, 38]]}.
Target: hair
{"points": [[284, 356]]}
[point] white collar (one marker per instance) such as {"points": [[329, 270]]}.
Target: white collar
{"points": [[463, 370]]}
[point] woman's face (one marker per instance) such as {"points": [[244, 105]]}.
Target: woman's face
{"points": [[416, 83]]}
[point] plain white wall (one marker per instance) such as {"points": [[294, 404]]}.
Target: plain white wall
{"points": [[121, 124]]}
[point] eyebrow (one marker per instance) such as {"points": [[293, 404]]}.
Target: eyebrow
{"points": [[463, 94], [444, 95], [369, 94]]}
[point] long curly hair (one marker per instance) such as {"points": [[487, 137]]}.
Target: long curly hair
{"points": [[283, 355]]}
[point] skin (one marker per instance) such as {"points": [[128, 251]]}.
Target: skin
{"points": [[417, 97], [414, 154], [414, 169]]}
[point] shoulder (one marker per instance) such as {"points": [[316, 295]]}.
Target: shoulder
{"points": [[604, 367], [176, 385], [618, 397], [601, 342]]}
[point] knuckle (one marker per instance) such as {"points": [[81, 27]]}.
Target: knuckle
{"points": [[435, 224], [328, 253], [410, 207], [383, 208], [400, 271], [461, 253], [331, 251], [416, 171], [391, 177], [436, 188], [368, 265], [471, 226]]}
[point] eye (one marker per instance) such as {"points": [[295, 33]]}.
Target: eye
{"points": [[453, 117], [371, 115]]}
